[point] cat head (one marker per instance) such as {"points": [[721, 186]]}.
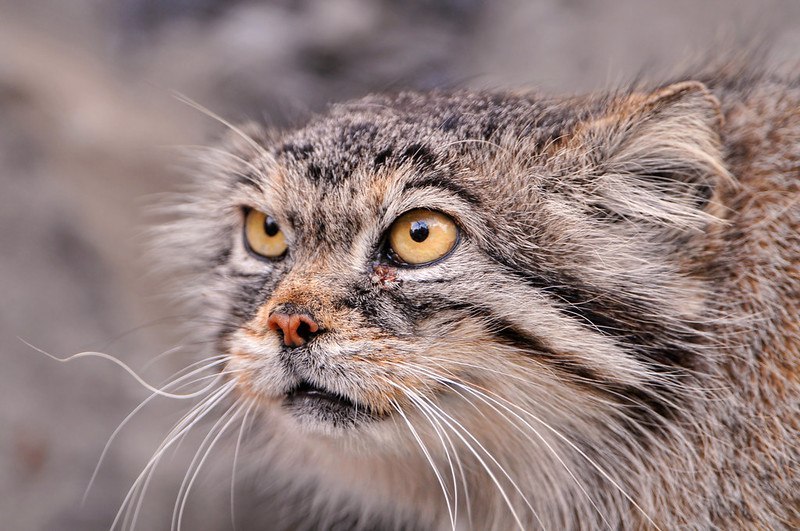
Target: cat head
{"points": [[481, 260]]}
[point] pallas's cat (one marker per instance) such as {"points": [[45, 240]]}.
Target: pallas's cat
{"points": [[482, 310]]}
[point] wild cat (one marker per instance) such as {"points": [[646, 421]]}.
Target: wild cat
{"points": [[499, 310]]}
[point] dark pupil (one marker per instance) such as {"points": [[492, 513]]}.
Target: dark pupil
{"points": [[419, 231], [271, 227]]}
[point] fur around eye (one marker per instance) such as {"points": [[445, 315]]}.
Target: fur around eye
{"points": [[263, 236], [421, 236]]}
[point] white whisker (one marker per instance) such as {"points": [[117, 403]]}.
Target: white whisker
{"points": [[126, 367], [130, 415], [236, 408], [255, 145], [187, 421], [236, 459], [185, 424], [583, 454], [453, 424], [428, 457], [466, 387]]}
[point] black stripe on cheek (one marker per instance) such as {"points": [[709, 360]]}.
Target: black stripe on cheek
{"points": [[396, 314], [532, 345], [644, 406], [649, 341], [375, 309], [412, 311]]}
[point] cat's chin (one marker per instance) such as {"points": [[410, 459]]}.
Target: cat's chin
{"points": [[318, 409]]}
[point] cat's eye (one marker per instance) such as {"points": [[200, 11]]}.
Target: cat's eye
{"points": [[421, 236], [263, 235]]}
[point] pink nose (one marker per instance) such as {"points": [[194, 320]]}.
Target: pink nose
{"points": [[297, 328]]}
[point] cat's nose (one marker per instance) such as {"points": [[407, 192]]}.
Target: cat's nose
{"points": [[297, 328]]}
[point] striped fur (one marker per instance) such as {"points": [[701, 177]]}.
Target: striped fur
{"points": [[613, 343]]}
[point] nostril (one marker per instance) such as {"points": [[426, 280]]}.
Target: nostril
{"points": [[304, 331], [305, 327], [297, 329]]}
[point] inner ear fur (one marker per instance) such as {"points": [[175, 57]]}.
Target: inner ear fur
{"points": [[657, 156]]}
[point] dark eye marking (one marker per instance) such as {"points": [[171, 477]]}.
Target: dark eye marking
{"points": [[437, 180], [418, 154]]}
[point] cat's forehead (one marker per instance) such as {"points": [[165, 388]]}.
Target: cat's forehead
{"points": [[422, 129]]}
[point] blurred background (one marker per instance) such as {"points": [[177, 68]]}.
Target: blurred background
{"points": [[88, 129]]}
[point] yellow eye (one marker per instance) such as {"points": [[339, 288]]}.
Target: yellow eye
{"points": [[263, 235], [422, 236]]}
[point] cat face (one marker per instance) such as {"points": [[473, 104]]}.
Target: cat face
{"points": [[514, 272]]}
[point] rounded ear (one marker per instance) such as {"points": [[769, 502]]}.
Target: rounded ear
{"points": [[686, 97], [657, 156]]}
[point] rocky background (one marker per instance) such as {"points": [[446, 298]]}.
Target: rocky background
{"points": [[89, 127]]}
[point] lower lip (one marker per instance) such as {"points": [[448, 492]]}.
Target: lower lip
{"points": [[318, 400], [326, 408]]}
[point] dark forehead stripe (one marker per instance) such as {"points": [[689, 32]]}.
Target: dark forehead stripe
{"points": [[298, 151], [417, 154]]}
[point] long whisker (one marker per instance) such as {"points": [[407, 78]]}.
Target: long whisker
{"points": [[498, 399], [442, 434], [583, 454], [236, 459], [552, 450], [237, 409], [449, 421], [429, 458], [453, 423], [130, 415], [187, 422], [183, 425], [255, 145], [194, 149], [126, 367]]}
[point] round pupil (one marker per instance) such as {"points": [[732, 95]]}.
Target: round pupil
{"points": [[419, 231], [271, 227]]}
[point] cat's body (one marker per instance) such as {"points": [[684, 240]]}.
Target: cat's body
{"points": [[611, 341]]}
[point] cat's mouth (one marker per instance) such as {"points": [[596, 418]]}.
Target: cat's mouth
{"points": [[308, 402]]}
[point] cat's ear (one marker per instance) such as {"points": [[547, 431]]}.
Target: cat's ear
{"points": [[658, 155]]}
